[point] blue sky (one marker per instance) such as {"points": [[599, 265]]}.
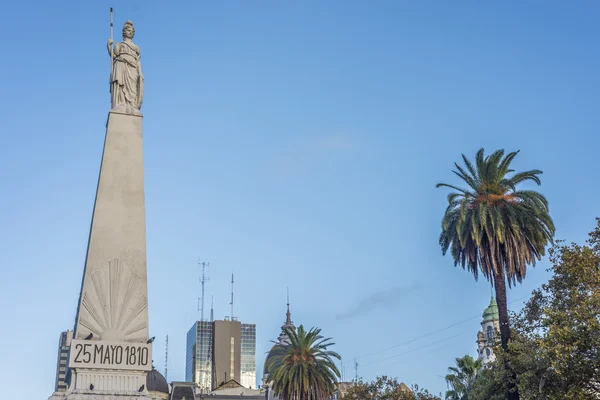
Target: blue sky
{"points": [[296, 144]]}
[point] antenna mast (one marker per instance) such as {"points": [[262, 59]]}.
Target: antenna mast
{"points": [[231, 297], [210, 379], [203, 280], [356, 369], [166, 357]]}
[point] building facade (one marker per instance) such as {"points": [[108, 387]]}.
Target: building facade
{"points": [[232, 390], [490, 328], [198, 355], [220, 351], [248, 356], [227, 351], [341, 390], [64, 344]]}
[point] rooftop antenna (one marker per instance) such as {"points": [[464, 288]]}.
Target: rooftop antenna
{"points": [[231, 304], [203, 280], [212, 378], [288, 319], [166, 357]]}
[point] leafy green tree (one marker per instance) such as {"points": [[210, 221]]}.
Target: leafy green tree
{"points": [[304, 369], [490, 383], [561, 325], [385, 388], [382, 388], [555, 342], [495, 229], [462, 377]]}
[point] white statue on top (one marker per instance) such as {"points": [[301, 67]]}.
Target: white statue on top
{"points": [[126, 79]]}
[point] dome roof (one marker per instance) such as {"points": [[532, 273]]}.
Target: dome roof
{"points": [[271, 354], [156, 382], [491, 312]]}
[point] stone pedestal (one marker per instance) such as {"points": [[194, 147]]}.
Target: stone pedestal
{"points": [[109, 356]]}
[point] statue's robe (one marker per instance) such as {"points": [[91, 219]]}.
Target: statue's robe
{"points": [[127, 80]]}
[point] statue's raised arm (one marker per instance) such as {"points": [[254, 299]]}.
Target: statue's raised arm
{"points": [[126, 80], [109, 47]]}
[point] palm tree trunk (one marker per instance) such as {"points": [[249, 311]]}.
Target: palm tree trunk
{"points": [[512, 392]]}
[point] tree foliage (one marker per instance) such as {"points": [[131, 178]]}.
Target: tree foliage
{"points": [[462, 377], [490, 226], [493, 228], [303, 369], [563, 319], [555, 346], [386, 388]]}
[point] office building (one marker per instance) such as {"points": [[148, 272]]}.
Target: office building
{"points": [[64, 343], [248, 356], [227, 351], [221, 351], [198, 355]]}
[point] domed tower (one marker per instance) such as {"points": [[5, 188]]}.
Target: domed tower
{"points": [[157, 385], [486, 338], [282, 340]]}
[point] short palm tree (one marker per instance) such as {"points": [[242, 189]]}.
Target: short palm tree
{"points": [[303, 369], [495, 229], [462, 377]]}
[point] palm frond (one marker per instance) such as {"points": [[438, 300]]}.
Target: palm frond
{"points": [[304, 367], [491, 227]]}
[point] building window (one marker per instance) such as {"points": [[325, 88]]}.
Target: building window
{"points": [[490, 333]]}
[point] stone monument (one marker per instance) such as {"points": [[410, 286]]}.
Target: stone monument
{"points": [[110, 353]]}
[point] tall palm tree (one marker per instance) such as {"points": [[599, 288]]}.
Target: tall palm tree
{"points": [[495, 229], [462, 377], [303, 369]]}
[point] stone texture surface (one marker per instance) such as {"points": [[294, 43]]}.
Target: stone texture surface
{"points": [[113, 303], [113, 300]]}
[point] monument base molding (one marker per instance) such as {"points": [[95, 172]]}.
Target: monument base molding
{"points": [[96, 396], [96, 384]]}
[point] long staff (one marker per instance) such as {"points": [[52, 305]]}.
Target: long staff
{"points": [[111, 36]]}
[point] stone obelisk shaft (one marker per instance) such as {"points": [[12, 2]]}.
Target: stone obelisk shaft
{"points": [[113, 301], [109, 353]]}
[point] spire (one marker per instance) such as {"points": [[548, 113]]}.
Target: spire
{"points": [[283, 337], [288, 319]]}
